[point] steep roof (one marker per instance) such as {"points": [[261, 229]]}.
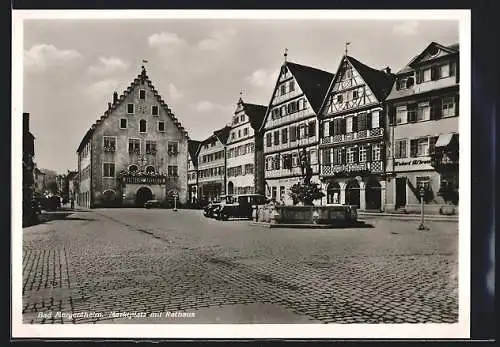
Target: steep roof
{"points": [[223, 134], [193, 148], [256, 114], [313, 82], [142, 78], [454, 48], [379, 81]]}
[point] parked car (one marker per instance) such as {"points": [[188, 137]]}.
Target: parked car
{"points": [[240, 207], [208, 211], [36, 206], [151, 203]]}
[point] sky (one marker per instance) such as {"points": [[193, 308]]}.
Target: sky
{"points": [[199, 66]]}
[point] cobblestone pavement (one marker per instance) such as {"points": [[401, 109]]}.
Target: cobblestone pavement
{"points": [[99, 265]]}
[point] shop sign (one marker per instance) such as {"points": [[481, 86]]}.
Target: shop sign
{"points": [[350, 167], [413, 162]]}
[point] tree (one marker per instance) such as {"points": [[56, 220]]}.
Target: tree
{"points": [[306, 193]]}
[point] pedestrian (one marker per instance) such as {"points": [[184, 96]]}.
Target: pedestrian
{"points": [[72, 203]]}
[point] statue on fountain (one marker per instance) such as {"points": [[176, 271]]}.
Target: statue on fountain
{"points": [[305, 192], [305, 167]]}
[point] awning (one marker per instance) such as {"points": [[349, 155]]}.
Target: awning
{"points": [[444, 140]]}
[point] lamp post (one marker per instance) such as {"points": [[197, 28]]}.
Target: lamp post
{"points": [[422, 226]]}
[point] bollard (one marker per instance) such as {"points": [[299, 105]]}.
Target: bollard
{"points": [[422, 226]]}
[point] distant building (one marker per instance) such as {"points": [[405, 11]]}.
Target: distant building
{"points": [[244, 138], [71, 185], [28, 169], [40, 183], [352, 136], [423, 109], [212, 166], [136, 151], [291, 125], [193, 149]]}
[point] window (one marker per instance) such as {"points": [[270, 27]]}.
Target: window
{"points": [[283, 111], [362, 154], [150, 147], [295, 159], [172, 171], [242, 118], [123, 123], [312, 128], [283, 89], [268, 139], [161, 127], [273, 194], [239, 133], [282, 193], [245, 132], [444, 70], [142, 126], [233, 135], [142, 94], [284, 135], [401, 83], [172, 148], [313, 156], [134, 146], [423, 147], [340, 98], [108, 170], [109, 144], [422, 181], [277, 162], [349, 125], [376, 152], [276, 136], [401, 115], [150, 169], [130, 108], [411, 111], [154, 110], [133, 168], [400, 149], [448, 106], [276, 113], [354, 94], [350, 155], [375, 119], [291, 86], [426, 75], [423, 112]]}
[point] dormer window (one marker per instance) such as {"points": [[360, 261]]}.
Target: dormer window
{"points": [[410, 81]]}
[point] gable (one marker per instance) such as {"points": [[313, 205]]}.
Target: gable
{"points": [[433, 51]]}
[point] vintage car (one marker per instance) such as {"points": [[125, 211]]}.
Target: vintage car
{"points": [[208, 211], [151, 203], [240, 206]]}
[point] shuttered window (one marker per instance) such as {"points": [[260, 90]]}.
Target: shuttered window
{"points": [[312, 128]]}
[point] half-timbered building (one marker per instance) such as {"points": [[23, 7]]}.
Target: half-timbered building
{"points": [[193, 149], [290, 126], [136, 151], [423, 110], [352, 135], [243, 139]]}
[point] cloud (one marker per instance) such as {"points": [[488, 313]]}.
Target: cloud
{"points": [[263, 78], [208, 106], [173, 92], [107, 66], [42, 56], [217, 40], [167, 42], [406, 28], [103, 88]]}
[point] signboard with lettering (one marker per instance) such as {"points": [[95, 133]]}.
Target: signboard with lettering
{"points": [[423, 163]]}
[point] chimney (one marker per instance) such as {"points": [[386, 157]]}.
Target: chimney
{"points": [[109, 106], [387, 70], [26, 122], [115, 97]]}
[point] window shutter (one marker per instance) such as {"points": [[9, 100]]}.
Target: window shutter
{"points": [[436, 108], [381, 119], [369, 120], [335, 156], [355, 124], [293, 133], [368, 153], [413, 148], [321, 130], [344, 155], [457, 104], [419, 76], [392, 115], [434, 73], [312, 128], [334, 128], [356, 154], [342, 126], [326, 157]]}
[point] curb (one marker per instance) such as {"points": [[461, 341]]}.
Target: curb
{"points": [[311, 226], [435, 218]]}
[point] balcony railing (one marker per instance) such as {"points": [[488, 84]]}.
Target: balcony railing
{"points": [[362, 134], [352, 168]]}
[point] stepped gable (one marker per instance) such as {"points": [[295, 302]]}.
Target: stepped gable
{"points": [[256, 114], [193, 148], [379, 81], [313, 82], [142, 78]]}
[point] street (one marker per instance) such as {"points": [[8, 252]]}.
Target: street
{"points": [[161, 266]]}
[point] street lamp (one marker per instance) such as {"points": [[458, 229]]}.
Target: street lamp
{"points": [[422, 226]]}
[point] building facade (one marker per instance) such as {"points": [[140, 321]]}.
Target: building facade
{"points": [[193, 148], [423, 109], [28, 169], [352, 136], [291, 125], [212, 166], [136, 151], [241, 154]]}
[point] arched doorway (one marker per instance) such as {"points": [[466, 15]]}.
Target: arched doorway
{"points": [[352, 193], [108, 197], [333, 193], [230, 188], [373, 194], [143, 194]]}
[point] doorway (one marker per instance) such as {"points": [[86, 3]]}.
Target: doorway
{"points": [[352, 193], [143, 194], [373, 194], [400, 192]]}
